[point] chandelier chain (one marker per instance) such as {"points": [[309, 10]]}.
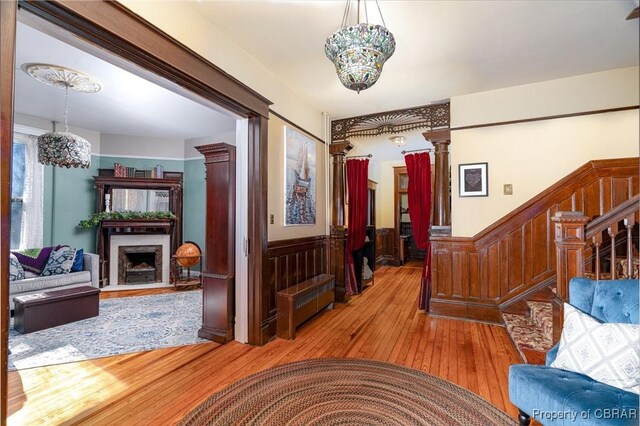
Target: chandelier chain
{"points": [[366, 13], [384, 24], [345, 16], [66, 108], [347, 12]]}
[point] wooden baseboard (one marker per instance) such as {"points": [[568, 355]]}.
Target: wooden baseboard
{"points": [[215, 334], [386, 261], [466, 310]]}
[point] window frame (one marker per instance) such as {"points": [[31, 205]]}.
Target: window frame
{"points": [[21, 135]]}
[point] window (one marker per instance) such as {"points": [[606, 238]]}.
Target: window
{"points": [[17, 191]]}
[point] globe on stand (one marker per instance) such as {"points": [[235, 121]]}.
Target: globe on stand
{"points": [[187, 255]]}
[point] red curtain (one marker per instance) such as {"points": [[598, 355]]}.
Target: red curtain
{"points": [[419, 192], [357, 185]]}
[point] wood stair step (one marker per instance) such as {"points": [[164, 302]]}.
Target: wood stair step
{"points": [[527, 337], [518, 308], [541, 314], [546, 294]]}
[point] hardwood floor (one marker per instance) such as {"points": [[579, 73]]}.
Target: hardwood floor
{"points": [[159, 387]]}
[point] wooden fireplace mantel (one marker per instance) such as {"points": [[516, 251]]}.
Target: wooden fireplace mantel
{"points": [[109, 228], [104, 184], [153, 225]]}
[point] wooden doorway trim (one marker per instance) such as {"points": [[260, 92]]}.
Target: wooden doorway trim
{"points": [[121, 32], [8, 15]]}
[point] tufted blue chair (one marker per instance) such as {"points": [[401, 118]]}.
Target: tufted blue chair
{"points": [[557, 397]]}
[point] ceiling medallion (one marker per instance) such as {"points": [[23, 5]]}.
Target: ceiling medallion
{"points": [[359, 51], [57, 76], [63, 149]]}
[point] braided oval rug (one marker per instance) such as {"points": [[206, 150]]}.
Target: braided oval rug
{"points": [[330, 391]]}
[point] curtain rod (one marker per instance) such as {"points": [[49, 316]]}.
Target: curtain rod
{"points": [[417, 150], [360, 156]]}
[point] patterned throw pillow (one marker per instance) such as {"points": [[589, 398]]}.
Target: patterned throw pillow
{"points": [[16, 272], [34, 259], [60, 262], [606, 352]]}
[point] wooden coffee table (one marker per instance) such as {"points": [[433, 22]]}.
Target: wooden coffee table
{"points": [[38, 311]]}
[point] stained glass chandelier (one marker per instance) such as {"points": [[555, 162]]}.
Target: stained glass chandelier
{"points": [[359, 51], [63, 149]]}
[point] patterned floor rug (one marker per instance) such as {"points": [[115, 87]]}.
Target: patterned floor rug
{"points": [[125, 325], [345, 391]]}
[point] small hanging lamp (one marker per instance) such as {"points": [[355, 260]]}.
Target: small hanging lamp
{"points": [[400, 141], [63, 149], [359, 51]]}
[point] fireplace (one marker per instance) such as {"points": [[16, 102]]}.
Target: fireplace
{"points": [[139, 264], [139, 259]]}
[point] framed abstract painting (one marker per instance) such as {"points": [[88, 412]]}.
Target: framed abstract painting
{"points": [[473, 180]]}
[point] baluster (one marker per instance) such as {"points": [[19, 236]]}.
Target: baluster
{"points": [[597, 241], [629, 222], [613, 231]]}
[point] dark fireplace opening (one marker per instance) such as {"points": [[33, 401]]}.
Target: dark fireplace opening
{"points": [[139, 264]]}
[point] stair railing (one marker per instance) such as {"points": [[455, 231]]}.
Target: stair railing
{"points": [[609, 223], [579, 244]]}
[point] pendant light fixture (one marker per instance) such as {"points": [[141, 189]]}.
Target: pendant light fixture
{"points": [[63, 149], [359, 51], [398, 140]]}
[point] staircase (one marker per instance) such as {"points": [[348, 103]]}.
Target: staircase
{"points": [[530, 325], [530, 319]]}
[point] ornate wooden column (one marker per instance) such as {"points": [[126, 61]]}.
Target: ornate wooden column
{"points": [[218, 278], [570, 245], [441, 200], [338, 238]]}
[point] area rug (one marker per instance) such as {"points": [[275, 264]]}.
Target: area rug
{"points": [[344, 391], [125, 325]]}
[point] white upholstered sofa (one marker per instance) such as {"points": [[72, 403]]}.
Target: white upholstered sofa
{"points": [[88, 276]]}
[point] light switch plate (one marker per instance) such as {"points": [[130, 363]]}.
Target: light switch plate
{"points": [[271, 219], [508, 189]]}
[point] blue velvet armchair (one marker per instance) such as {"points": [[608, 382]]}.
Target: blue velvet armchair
{"points": [[557, 397]]}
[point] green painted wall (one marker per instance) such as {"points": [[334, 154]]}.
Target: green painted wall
{"points": [[194, 201], [68, 198]]}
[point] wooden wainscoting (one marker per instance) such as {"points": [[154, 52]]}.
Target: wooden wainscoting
{"points": [[474, 277], [288, 263], [384, 247]]}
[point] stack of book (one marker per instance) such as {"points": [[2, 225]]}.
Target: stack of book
{"points": [[120, 170], [157, 172]]}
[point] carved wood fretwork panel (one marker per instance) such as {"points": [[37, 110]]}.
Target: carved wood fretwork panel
{"points": [[424, 117]]}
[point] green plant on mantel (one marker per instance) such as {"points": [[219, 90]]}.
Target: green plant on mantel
{"points": [[97, 218]]}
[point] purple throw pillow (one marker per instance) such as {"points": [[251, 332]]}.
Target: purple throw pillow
{"points": [[34, 259]]}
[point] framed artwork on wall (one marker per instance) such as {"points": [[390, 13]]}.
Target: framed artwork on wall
{"points": [[300, 178], [473, 180]]}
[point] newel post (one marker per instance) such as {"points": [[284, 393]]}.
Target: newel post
{"points": [[338, 238], [570, 244]]}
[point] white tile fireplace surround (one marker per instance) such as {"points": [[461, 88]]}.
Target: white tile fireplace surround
{"points": [[118, 241]]}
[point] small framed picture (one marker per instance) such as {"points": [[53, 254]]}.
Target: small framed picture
{"points": [[473, 180]]}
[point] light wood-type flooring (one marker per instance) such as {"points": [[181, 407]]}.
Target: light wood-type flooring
{"points": [[159, 387]]}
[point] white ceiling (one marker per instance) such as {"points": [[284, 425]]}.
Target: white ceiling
{"points": [[444, 48], [126, 105]]}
